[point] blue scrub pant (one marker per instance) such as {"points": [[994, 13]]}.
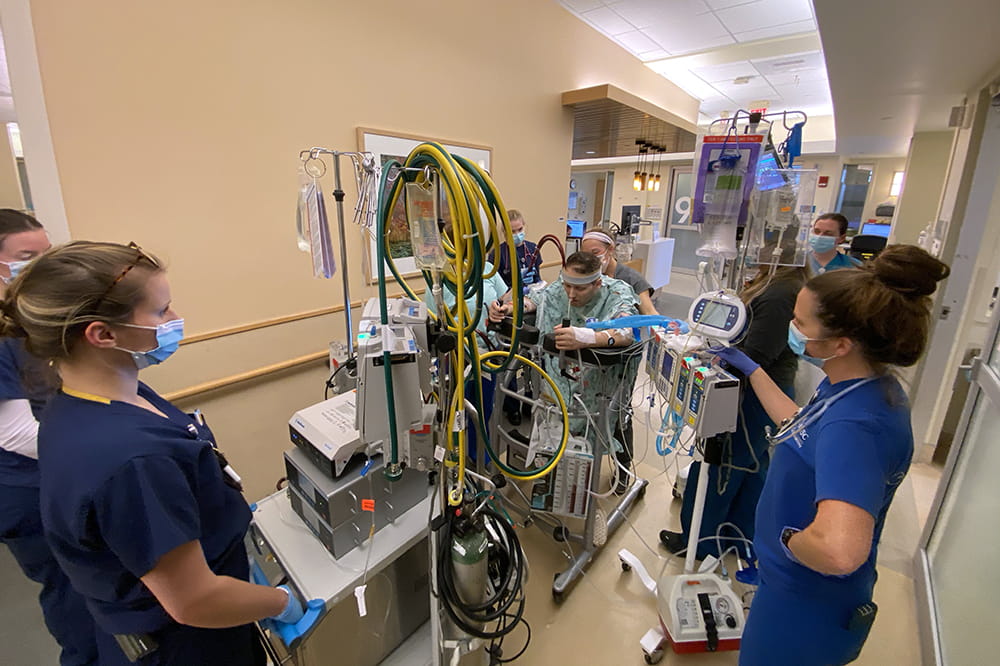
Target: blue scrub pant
{"points": [[789, 628], [65, 611], [181, 645], [737, 503]]}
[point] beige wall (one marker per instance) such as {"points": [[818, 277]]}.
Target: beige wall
{"points": [[826, 165], [926, 168], [178, 126], [10, 183]]}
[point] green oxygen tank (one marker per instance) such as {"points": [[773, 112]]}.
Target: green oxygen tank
{"points": [[468, 557]]}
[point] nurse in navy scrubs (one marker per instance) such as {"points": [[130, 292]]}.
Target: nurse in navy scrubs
{"points": [[26, 383], [135, 504], [837, 463]]}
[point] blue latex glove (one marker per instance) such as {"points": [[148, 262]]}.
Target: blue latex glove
{"points": [[734, 358], [293, 609]]}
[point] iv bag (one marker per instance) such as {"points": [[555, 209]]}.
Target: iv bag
{"points": [[320, 244], [782, 217], [422, 215]]}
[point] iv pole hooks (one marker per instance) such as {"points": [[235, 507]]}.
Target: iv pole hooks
{"points": [[360, 161]]}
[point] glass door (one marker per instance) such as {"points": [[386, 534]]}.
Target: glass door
{"points": [[687, 236], [958, 576]]}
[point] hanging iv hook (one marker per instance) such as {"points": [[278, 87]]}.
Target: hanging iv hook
{"points": [[308, 157]]}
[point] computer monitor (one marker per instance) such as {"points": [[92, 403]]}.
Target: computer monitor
{"points": [[575, 228], [876, 229]]}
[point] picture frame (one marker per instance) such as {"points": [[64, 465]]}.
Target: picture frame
{"points": [[387, 145]]}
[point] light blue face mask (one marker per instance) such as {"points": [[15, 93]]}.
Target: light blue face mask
{"points": [[797, 343], [519, 238], [821, 244], [15, 268], [168, 339]]}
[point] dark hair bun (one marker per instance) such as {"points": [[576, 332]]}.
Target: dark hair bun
{"points": [[9, 328], [909, 270]]}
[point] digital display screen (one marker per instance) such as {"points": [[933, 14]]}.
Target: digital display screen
{"points": [[876, 230], [767, 177], [575, 228], [715, 315], [668, 365]]}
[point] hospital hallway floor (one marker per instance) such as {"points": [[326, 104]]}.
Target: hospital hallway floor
{"points": [[603, 617]]}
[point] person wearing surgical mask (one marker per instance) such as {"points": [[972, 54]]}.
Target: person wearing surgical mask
{"points": [[602, 246], [26, 384], [829, 231], [529, 259], [139, 507], [22, 238], [837, 462]]}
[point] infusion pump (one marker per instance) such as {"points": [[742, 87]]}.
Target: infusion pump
{"points": [[719, 315]]}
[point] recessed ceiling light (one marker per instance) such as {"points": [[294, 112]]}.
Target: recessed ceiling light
{"points": [[591, 152]]}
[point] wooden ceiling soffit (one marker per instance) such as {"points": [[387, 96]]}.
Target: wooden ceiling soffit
{"points": [[608, 120]]}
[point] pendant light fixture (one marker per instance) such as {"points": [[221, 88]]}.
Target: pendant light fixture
{"points": [[637, 180]]}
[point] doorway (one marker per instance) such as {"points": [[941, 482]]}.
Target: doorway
{"points": [[855, 180]]}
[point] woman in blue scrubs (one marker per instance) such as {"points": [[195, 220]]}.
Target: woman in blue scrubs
{"points": [[837, 462], [134, 500], [25, 386]]}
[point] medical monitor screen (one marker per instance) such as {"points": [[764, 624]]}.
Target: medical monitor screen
{"points": [[715, 315], [668, 365], [575, 228], [767, 177], [876, 229]]}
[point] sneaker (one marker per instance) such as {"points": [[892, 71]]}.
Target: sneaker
{"points": [[673, 541]]}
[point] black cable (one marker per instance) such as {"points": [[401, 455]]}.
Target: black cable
{"points": [[333, 375], [505, 568]]}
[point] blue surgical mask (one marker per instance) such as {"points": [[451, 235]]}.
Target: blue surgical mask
{"points": [[168, 339], [821, 244], [797, 343], [518, 238], [15, 268]]}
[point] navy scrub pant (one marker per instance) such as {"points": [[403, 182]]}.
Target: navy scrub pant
{"points": [[737, 503], [181, 645], [65, 611]]}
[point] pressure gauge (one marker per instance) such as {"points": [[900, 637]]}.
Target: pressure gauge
{"points": [[572, 183]]}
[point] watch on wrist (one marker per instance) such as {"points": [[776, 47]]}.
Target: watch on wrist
{"points": [[787, 534], [611, 340]]}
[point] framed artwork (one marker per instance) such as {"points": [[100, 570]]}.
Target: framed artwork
{"points": [[387, 146]]}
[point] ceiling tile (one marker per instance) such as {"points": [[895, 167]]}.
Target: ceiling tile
{"points": [[765, 14], [581, 5], [644, 13], [723, 4], [726, 72], [607, 21], [683, 34], [794, 78], [808, 64], [793, 28], [637, 42], [757, 89], [804, 89], [658, 54]]}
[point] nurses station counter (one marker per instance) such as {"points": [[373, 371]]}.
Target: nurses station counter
{"points": [[397, 597]]}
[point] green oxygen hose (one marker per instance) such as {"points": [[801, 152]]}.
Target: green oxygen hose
{"points": [[392, 471]]}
